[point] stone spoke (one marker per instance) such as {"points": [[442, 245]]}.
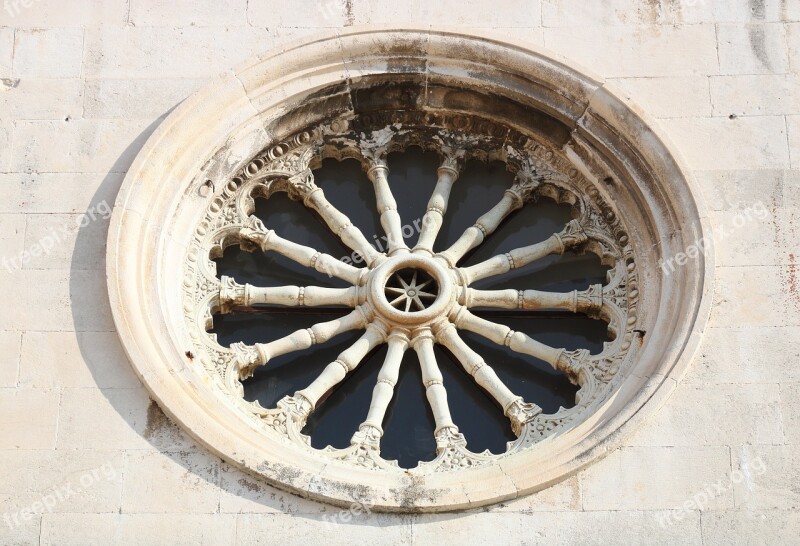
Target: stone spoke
{"points": [[391, 222], [557, 243], [268, 240], [437, 204], [588, 302], [518, 411], [300, 340], [232, 294], [302, 186], [372, 427], [336, 371], [559, 359]]}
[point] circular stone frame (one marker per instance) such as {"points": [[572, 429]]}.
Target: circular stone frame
{"points": [[219, 129]]}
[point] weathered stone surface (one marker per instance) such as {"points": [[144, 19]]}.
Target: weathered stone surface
{"points": [[753, 48], [724, 144], [242, 493], [6, 51], [133, 52], [698, 415], [590, 527], [75, 360], [767, 477], [756, 95], [340, 528], [790, 411], [91, 146], [71, 298], [148, 13], [669, 97], [750, 527], [6, 129], [30, 418], [134, 99], [563, 496], [736, 356], [669, 480], [48, 53], [78, 241], [755, 296], [56, 13], [42, 99], [624, 52], [60, 481], [180, 481], [138, 529], [793, 123], [10, 343], [744, 189], [59, 193]]}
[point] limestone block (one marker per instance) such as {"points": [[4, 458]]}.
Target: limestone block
{"points": [[75, 360], [670, 97], [137, 529], [669, 479], [60, 481], [753, 49], [621, 52], [560, 13], [762, 528], [343, 527], [698, 415], [320, 14], [793, 122], [145, 13], [48, 193], [793, 37], [42, 99], [6, 129], [769, 477], [755, 236], [736, 356], [30, 418], [78, 241], [790, 410], [55, 300], [132, 99], [734, 11], [379, 13], [756, 95], [130, 421], [94, 146], [182, 482], [743, 189], [755, 296], [563, 496], [57, 13], [12, 242], [194, 52], [48, 53], [27, 532], [6, 51], [9, 369], [514, 13], [722, 143], [594, 527]]}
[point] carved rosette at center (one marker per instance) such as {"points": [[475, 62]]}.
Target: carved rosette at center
{"points": [[411, 298]]}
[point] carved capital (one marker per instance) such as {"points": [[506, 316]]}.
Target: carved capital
{"points": [[590, 301], [368, 436], [572, 362], [521, 412], [246, 358], [449, 437], [302, 185], [571, 235], [231, 294]]}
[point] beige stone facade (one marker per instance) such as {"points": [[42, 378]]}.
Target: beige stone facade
{"points": [[87, 457]]}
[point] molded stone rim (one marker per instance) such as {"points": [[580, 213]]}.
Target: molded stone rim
{"points": [[140, 292]]}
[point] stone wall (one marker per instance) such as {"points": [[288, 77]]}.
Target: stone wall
{"points": [[86, 457]]}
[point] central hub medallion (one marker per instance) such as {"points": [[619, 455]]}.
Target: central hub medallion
{"points": [[412, 290]]}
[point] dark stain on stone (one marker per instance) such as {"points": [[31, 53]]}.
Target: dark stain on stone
{"points": [[348, 13], [758, 43], [156, 420], [250, 486], [9, 83], [758, 9]]}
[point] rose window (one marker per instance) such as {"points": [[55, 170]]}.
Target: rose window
{"points": [[209, 183]]}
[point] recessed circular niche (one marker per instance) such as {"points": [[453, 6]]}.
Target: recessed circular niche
{"points": [[267, 127]]}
